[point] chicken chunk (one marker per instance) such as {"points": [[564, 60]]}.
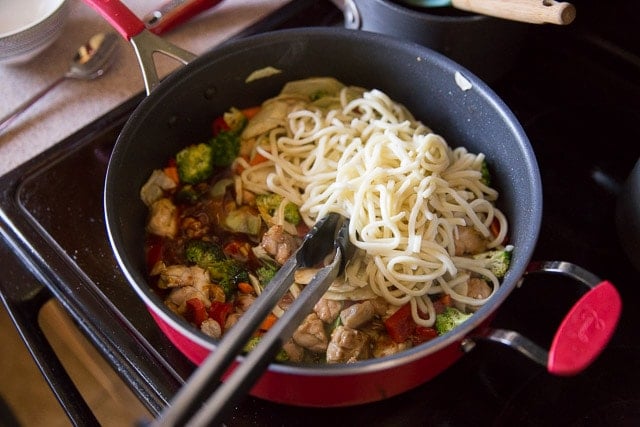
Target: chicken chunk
{"points": [[175, 276], [294, 351], [311, 334], [385, 346], [244, 301], [381, 306], [348, 345], [304, 275], [163, 218], [279, 244], [194, 228], [469, 241], [177, 299], [232, 319], [327, 310], [212, 328], [357, 315], [478, 288]]}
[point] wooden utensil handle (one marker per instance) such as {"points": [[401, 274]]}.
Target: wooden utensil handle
{"points": [[530, 11]]}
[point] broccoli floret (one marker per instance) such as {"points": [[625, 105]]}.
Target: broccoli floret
{"points": [[497, 261], [486, 175], [195, 163], [188, 194], [251, 344], [266, 272], [449, 319], [225, 147], [269, 203], [227, 274], [282, 355], [202, 253]]}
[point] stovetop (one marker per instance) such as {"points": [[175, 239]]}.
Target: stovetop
{"points": [[576, 92]]}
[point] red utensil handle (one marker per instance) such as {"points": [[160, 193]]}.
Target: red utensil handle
{"points": [[119, 16], [585, 330], [582, 335], [174, 13]]}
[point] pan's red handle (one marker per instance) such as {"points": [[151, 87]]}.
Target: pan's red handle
{"points": [[585, 330], [144, 42], [583, 333], [174, 13], [119, 16]]}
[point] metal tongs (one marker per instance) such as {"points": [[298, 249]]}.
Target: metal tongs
{"points": [[204, 387]]}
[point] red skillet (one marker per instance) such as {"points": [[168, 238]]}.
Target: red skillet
{"points": [[180, 109]]}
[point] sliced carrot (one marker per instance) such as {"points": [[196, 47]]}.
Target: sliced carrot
{"points": [[250, 111], [257, 159], [495, 230], [268, 322], [495, 227], [172, 172], [446, 300], [441, 303], [237, 166], [245, 288]]}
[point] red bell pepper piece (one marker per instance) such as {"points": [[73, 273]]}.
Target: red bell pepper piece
{"points": [[154, 250], [219, 125], [196, 311], [237, 249], [423, 334], [219, 311], [400, 325], [249, 112]]}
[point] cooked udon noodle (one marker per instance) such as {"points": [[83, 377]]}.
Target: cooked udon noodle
{"points": [[403, 187]]}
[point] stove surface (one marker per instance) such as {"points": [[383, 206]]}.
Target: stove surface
{"points": [[575, 91]]}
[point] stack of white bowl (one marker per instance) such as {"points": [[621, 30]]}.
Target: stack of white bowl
{"points": [[27, 27]]}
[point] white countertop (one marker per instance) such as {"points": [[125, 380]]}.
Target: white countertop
{"points": [[76, 103]]}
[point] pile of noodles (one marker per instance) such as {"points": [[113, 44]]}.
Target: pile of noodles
{"points": [[403, 188]]}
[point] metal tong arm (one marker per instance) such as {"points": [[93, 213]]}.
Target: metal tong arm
{"points": [[330, 232], [239, 383]]}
